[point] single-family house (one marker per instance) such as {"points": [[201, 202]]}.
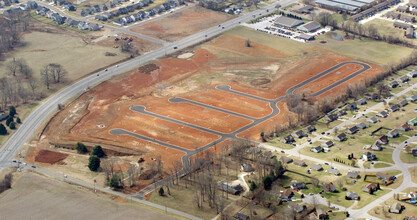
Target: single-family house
{"points": [[372, 96], [286, 194], [246, 167], [412, 74], [382, 114], [351, 106], [361, 125], [329, 187], [352, 130], [412, 122], [393, 133], [361, 101], [396, 208], [285, 159], [309, 129], [316, 167], [394, 107], [403, 79], [300, 163], [412, 98], [404, 127], [341, 112], [383, 139], [317, 149], [403, 103], [327, 144], [287, 139], [370, 188], [353, 175], [372, 120], [298, 185], [298, 134], [393, 84], [376, 146], [352, 196], [333, 171], [330, 117], [340, 137], [230, 188], [368, 156]]}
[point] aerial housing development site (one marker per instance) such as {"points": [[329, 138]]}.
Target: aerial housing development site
{"points": [[208, 109]]}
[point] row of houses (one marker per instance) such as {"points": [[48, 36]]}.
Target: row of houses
{"points": [[5, 3], [110, 4], [141, 14], [298, 134], [373, 10], [22, 7], [67, 21], [399, 16]]}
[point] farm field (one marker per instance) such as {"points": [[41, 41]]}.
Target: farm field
{"points": [[181, 24], [38, 196]]}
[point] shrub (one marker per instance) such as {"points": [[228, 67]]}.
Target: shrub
{"points": [[18, 120], [9, 120], [253, 186]]}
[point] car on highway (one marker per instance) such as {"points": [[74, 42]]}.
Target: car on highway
{"points": [[283, 152], [175, 48], [117, 65], [33, 166], [105, 69], [326, 163], [14, 161]]}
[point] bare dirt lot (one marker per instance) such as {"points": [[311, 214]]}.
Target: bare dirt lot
{"points": [[259, 70], [181, 24], [36, 197]]}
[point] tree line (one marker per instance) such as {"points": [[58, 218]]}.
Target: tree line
{"points": [[11, 29]]}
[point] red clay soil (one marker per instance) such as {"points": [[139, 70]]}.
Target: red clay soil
{"points": [[328, 79], [181, 24], [237, 46], [294, 72], [281, 119], [231, 102], [50, 157], [207, 118]]}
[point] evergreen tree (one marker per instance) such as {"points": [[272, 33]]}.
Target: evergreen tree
{"points": [[267, 181], [80, 147], [161, 191], [3, 130], [253, 186], [18, 120], [12, 111], [12, 125], [9, 120], [114, 181], [97, 151], [93, 163]]}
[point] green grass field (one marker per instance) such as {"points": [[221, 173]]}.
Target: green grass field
{"points": [[367, 50], [284, 45]]}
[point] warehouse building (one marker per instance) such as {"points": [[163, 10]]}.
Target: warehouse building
{"points": [[287, 22]]}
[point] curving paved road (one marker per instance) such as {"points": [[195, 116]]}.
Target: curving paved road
{"points": [[232, 135]]}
